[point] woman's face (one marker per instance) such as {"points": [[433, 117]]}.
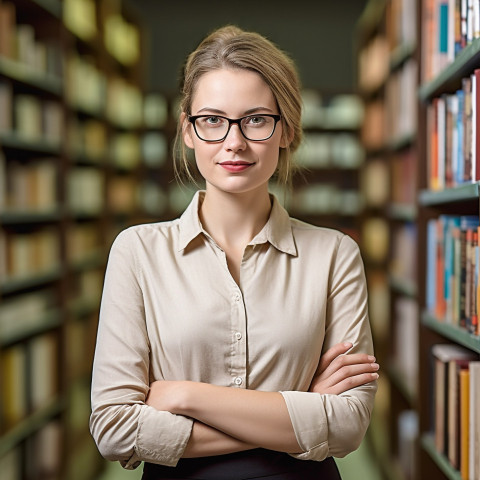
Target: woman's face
{"points": [[235, 165]]}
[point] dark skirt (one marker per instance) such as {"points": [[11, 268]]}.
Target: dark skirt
{"points": [[252, 464]]}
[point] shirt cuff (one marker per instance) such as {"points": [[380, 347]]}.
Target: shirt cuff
{"points": [[310, 424], [156, 444]]}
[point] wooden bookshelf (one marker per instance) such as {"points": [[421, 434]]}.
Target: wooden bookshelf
{"points": [[60, 111], [437, 79], [387, 42]]}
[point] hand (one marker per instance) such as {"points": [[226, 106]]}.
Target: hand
{"points": [[338, 372]]}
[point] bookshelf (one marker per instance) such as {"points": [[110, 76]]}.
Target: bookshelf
{"points": [[72, 107], [327, 191], [387, 53], [452, 192], [435, 292]]}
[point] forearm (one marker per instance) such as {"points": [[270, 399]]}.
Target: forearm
{"points": [[206, 441], [254, 417]]}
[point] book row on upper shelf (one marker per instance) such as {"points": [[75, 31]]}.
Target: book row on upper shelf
{"points": [[452, 286], [116, 101], [22, 393], [384, 49], [449, 27], [452, 130], [390, 119], [456, 422], [88, 20]]}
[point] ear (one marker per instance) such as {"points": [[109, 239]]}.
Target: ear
{"points": [[286, 140], [186, 130]]}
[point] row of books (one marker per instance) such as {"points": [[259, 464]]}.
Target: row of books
{"points": [[121, 38], [19, 42], [401, 23], [87, 139], [326, 199], [401, 102], [87, 287], [83, 241], [43, 453], [26, 313], [449, 26], [452, 125], [375, 238], [322, 150], [405, 354], [452, 286], [391, 120], [456, 389], [403, 263], [79, 340], [404, 177], [343, 111], [374, 64], [28, 186], [373, 132], [375, 182], [29, 378], [26, 254], [30, 117]]}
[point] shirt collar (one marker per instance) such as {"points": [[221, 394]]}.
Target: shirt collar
{"points": [[277, 231]]}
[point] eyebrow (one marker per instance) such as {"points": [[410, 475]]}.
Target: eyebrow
{"points": [[247, 112]]}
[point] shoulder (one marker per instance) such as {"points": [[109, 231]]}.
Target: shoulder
{"points": [[146, 234], [332, 243]]}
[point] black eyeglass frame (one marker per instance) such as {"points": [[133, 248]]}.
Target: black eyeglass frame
{"points": [[192, 119]]}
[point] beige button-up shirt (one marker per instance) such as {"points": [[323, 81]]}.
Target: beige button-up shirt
{"points": [[171, 310]]}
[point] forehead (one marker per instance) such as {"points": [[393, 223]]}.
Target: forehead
{"points": [[232, 91]]}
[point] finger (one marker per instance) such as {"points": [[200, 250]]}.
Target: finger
{"points": [[349, 371], [343, 361], [329, 356], [353, 382]]}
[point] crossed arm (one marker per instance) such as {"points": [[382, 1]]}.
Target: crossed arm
{"points": [[229, 420]]}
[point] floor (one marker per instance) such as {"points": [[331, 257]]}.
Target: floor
{"points": [[359, 465]]}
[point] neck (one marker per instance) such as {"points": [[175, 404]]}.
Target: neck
{"points": [[233, 220]]}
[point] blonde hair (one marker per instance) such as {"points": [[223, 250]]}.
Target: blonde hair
{"points": [[232, 47]]}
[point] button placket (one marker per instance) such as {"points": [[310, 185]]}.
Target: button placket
{"points": [[238, 357]]}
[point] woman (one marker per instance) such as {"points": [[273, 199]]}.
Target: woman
{"points": [[234, 341]]}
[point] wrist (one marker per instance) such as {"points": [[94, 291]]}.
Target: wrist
{"points": [[183, 398]]}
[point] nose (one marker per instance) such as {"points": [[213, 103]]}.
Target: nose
{"points": [[234, 140]]}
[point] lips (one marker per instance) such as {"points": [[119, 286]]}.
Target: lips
{"points": [[235, 166]]}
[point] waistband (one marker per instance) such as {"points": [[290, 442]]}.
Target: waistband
{"points": [[251, 464]]}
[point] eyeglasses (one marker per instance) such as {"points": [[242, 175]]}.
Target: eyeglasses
{"points": [[215, 128]]}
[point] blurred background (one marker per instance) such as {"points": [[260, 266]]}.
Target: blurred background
{"points": [[88, 111]]}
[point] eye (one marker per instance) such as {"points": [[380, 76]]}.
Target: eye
{"points": [[257, 120], [212, 121]]}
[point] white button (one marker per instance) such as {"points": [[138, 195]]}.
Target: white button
{"points": [[238, 380], [238, 336], [237, 297]]}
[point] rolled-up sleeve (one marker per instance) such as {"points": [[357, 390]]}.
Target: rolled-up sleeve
{"points": [[334, 425], [123, 426]]}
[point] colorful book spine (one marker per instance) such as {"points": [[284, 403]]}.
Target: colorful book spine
{"points": [[448, 26], [453, 147], [453, 270]]}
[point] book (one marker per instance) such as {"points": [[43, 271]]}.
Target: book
{"points": [[14, 407], [443, 354], [43, 366], [474, 421], [453, 414], [6, 106], [464, 423], [7, 29]]}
